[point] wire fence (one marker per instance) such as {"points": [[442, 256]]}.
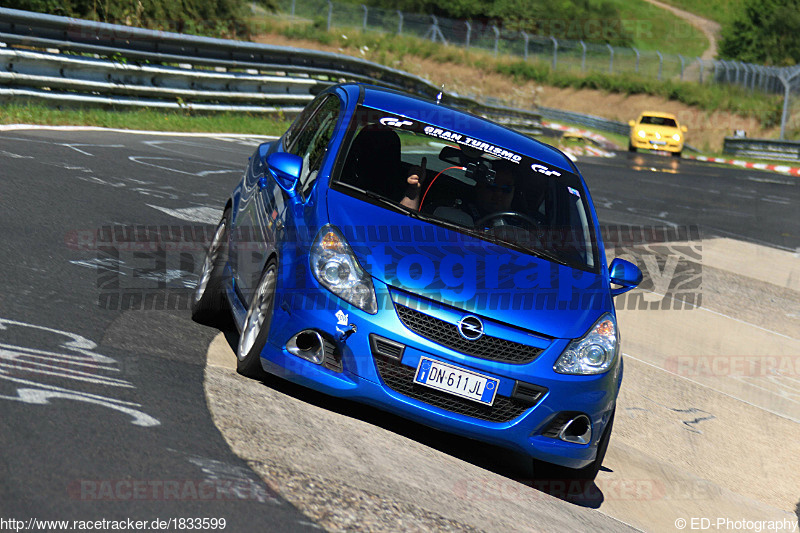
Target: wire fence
{"points": [[561, 55]]}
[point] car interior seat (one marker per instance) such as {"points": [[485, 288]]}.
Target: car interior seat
{"points": [[374, 162]]}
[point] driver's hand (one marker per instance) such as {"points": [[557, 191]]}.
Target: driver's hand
{"points": [[416, 175]]}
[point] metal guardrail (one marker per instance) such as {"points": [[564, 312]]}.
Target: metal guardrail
{"points": [[80, 60], [588, 121], [762, 148]]}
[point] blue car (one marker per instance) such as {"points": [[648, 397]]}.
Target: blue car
{"points": [[401, 253]]}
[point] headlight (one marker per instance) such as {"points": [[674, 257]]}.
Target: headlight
{"points": [[336, 268], [594, 353], [641, 134], [677, 137]]}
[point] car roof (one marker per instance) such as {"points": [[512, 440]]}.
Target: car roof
{"points": [[446, 117], [658, 114]]}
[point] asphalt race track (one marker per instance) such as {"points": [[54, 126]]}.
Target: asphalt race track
{"points": [[103, 410]]}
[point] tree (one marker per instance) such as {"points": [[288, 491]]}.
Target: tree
{"points": [[765, 32]]}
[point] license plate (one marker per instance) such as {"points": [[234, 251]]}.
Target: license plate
{"points": [[659, 143], [455, 380]]}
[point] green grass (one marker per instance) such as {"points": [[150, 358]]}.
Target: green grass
{"points": [[654, 29], [722, 11], [142, 119], [389, 50]]}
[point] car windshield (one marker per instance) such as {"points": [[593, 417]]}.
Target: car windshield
{"points": [[659, 121], [470, 185]]}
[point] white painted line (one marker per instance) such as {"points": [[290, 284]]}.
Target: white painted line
{"points": [[203, 215], [17, 127]]}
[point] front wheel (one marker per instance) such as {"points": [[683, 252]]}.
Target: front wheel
{"points": [[256, 324], [209, 302], [676, 154], [631, 148], [549, 471]]}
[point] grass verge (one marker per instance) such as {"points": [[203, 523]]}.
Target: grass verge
{"points": [[389, 49], [19, 112]]}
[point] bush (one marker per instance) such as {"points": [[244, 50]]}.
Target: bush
{"points": [[221, 18]]}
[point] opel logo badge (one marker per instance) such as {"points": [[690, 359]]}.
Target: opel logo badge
{"points": [[470, 327]]}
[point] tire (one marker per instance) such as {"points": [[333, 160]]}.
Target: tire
{"points": [[257, 324], [209, 305], [631, 148], [676, 154], [549, 471]]}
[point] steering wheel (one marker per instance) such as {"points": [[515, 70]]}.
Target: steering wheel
{"points": [[501, 214]]}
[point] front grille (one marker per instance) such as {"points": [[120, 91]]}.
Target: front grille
{"points": [[400, 378], [446, 334]]}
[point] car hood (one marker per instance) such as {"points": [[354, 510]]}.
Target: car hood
{"points": [[467, 273]]}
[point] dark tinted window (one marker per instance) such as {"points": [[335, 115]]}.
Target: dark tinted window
{"points": [[312, 139], [659, 121]]}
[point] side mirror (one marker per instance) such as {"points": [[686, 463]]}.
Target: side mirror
{"points": [[684, 129], [624, 273], [631, 123], [285, 169]]}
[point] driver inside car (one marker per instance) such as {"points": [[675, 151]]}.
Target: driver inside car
{"points": [[493, 196]]}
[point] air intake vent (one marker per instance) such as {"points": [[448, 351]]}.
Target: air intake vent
{"points": [[527, 392], [558, 423], [333, 360], [385, 347]]}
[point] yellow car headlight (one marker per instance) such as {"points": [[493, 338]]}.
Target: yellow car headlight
{"points": [[677, 137], [641, 134]]}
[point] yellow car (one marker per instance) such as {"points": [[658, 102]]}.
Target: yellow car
{"points": [[657, 131]]}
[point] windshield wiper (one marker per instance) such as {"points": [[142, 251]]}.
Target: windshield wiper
{"points": [[533, 250]]}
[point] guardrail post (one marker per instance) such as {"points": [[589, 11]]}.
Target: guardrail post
{"points": [[469, 32], [555, 52], [736, 65], [785, 115], [611, 59], [660, 64], [637, 60], [365, 16], [683, 65], [400, 22], [496, 38], [330, 14], [583, 57], [700, 62], [527, 38]]}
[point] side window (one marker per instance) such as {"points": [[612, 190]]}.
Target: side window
{"points": [[291, 134], [311, 142]]}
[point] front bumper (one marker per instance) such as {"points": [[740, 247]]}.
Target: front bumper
{"points": [[364, 378], [670, 145]]}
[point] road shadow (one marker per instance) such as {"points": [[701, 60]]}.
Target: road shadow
{"points": [[516, 467]]}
